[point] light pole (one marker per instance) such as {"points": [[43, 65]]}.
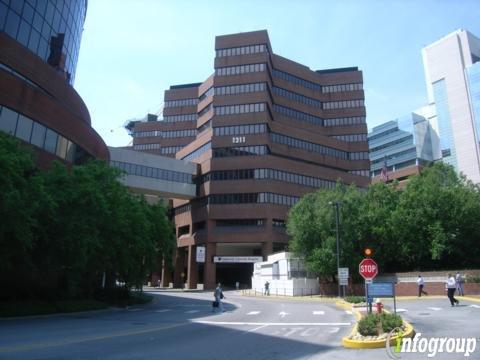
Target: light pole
{"points": [[336, 204]]}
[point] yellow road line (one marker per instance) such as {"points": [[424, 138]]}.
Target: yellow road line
{"points": [[76, 340]]}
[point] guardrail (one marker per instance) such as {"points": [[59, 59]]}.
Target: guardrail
{"points": [[282, 292]]}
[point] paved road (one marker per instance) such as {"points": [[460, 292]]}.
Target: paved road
{"points": [[182, 326]]}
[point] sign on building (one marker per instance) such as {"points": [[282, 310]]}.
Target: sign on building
{"points": [[200, 254], [237, 259]]}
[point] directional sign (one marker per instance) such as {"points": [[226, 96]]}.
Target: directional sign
{"points": [[368, 268]]}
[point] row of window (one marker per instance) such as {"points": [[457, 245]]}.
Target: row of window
{"points": [[239, 109], [146, 146], [239, 222], [23, 78], [206, 94], [360, 155], [240, 89], [296, 97], [346, 121], [298, 115], [164, 150], [345, 104], [341, 88], [178, 118], [250, 198], [151, 172], [182, 102], [309, 146], [240, 69], [351, 137], [296, 80], [266, 174], [166, 134], [241, 151], [411, 152], [278, 223], [205, 109], [406, 140], [205, 126], [196, 153], [240, 129], [36, 134], [360, 172], [383, 134], [242, 50]]}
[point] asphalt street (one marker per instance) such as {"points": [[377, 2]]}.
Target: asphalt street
{"points": [[181, 325]]}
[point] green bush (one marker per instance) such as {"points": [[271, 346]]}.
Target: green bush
{"points": [[473, 279], [390, 321], [371, 323], [354, 299], [368, 325]]}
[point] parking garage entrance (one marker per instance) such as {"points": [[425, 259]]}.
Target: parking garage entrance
{"points": [[230, 269]]}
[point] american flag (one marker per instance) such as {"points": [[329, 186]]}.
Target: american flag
{"points": [[384, 172]]}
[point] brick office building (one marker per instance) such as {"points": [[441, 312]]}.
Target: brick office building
{"points": [[264, 131], [39, 44]]}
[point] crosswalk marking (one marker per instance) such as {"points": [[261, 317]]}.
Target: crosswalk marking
{"points": [[319, 312], [435, 308], [334, 330], [475, 306], [270, 324], [349, 312], [402, 310], [192, 311], [253, 313]]}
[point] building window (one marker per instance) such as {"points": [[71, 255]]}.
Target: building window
{"points": [[240, 69], [196, 153], [240, 89], [239, 109], [242, 50]]}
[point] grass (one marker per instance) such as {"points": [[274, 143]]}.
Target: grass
{"points": [[375, 324], [355, 299], [39, 307]]}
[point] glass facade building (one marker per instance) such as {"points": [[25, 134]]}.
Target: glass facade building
{"points": [[409, 141], [39, 45], [33, 23], [452, 76]]}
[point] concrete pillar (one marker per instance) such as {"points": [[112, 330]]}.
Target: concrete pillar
{"points": [[210, 269], [192, 272], [267, 249], [179, 268]]}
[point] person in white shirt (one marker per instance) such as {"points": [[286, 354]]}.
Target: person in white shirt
{"points": [[451, 286], [421, 283]]}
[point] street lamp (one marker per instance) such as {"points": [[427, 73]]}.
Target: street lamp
{"points": [[336, 204]]}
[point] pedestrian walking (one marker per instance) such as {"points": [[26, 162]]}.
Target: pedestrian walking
{"points": [[218, 294], [459, 280], [267, 288], [451, 286], [237, 285], [421, 284]]}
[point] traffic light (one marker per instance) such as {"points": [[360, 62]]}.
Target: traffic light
{"points": [[368, 252]]}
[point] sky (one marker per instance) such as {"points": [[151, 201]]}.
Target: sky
{"points": [[133, 50]]}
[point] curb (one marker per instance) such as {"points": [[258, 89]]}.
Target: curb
{"points": [[368, 344], [468, 298]]}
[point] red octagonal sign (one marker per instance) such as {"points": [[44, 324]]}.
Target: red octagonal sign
{"points": [[368, 269]]}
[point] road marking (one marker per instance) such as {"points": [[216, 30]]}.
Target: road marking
{"points": [[135, 309], [402, 310], [254, 329], [319, 312], [269, 324], [253, 313], [163, 310], [334, 330], [434, 308], [192, 311], [475, 306], [283, 314], [349, 312]]}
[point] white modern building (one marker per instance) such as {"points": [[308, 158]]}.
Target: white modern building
{"points": [[452, 72], [286, 275]]}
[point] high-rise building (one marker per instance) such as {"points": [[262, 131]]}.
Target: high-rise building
{"points": [[264, 130], [39, 44], [400, 148], [452, 72]]}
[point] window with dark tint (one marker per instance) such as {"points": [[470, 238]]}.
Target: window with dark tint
{"points": [[8, 121], [24, 128], [51, 141], [38, 135]]}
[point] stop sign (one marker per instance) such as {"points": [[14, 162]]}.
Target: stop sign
{"points": [[368, 269]]}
